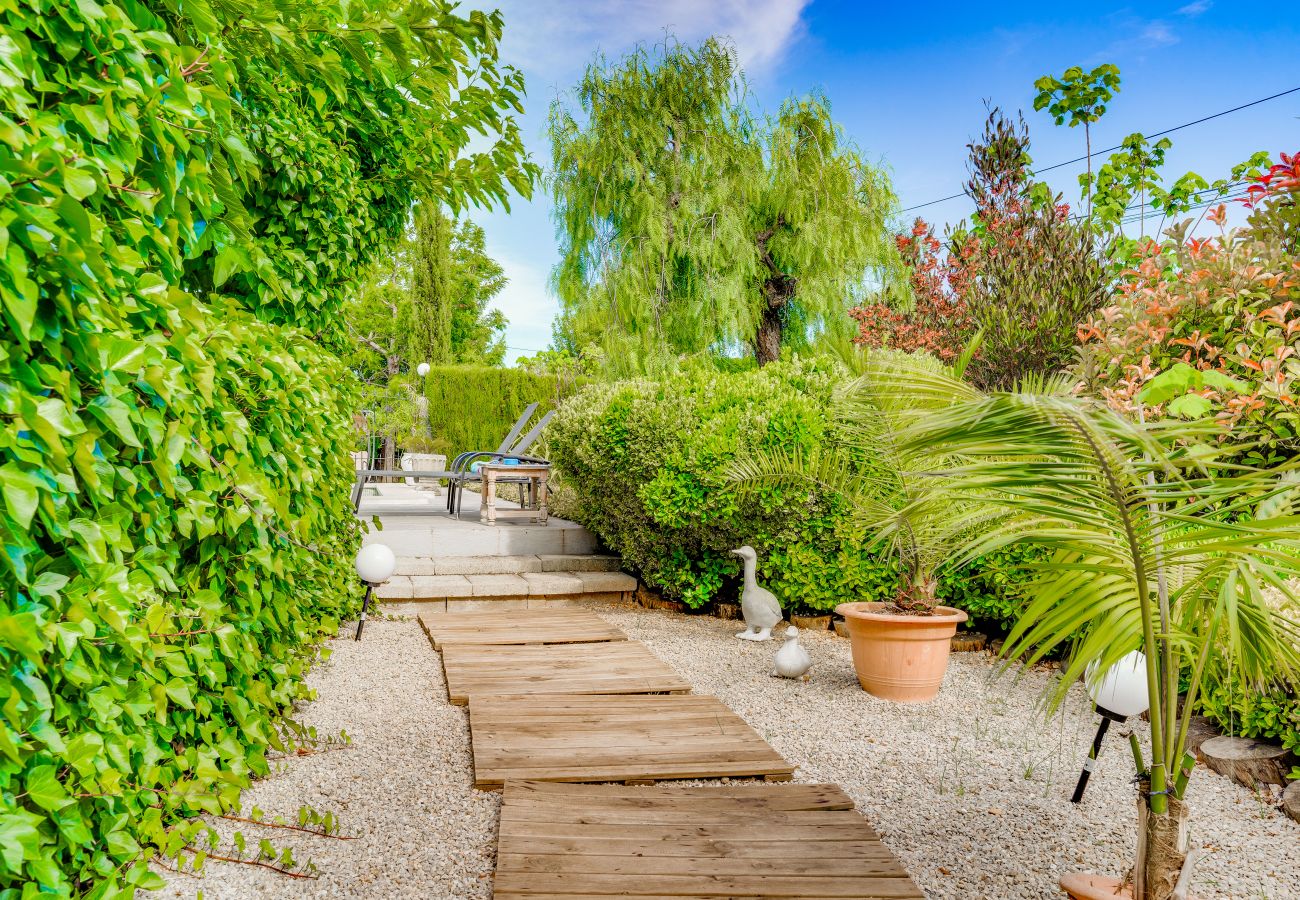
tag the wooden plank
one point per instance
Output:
(612, 667)
(587, 842)
(517, 626)
(794, 797)
(640, 737)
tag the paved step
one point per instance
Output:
(505, 565)
(436, 536)
(501, 591)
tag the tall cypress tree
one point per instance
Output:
(429, 321)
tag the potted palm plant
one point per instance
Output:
(900, 643)
(1152, 548)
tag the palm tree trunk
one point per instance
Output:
(1162, 850)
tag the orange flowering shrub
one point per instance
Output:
(1226, 306)
(939, 322)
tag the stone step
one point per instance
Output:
(502, 591)
(505, 565)
(440, 537)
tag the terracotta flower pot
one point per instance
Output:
(900, 657)
(1081, 886)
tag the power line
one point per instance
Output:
(1070, 162)
(1222, 192)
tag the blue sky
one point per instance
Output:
(909, 81)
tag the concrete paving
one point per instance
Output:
(463, 564)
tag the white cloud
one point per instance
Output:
(554, 39)
(1195, 8)
(1159, 33)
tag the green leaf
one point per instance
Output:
(1190, 406)
(93, 118)
(21, 632)
(21, 492)
(116, 415)
(44, 789)
(19, 839)
(79, 183)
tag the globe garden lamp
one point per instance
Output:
(375, 565)
(422, 369)
(1119, 692)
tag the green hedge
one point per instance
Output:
(646, 463)
(473, 407)
(187, 191)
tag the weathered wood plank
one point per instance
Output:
(613, 667)
(587, 842)
(517, 626)
(614, 738)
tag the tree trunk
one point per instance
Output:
(1162, 850)
(778, 290)
(390, 456)
(767, 342)
(1247, 761)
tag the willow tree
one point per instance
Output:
(814, 218)
(687, 223)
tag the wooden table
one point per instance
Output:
(535, 473)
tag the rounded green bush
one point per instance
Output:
(646, 461)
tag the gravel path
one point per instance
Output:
(971, 790)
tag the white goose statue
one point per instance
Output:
(759, 606)
(792, 660)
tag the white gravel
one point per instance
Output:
(971, 790)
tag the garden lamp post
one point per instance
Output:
(422, 402)
(375, 565)
(1119, 692)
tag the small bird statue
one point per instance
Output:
(792, 660)
(758, 605)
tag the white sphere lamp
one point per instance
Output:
(375, 564)
(422, 369)
(1119, 692)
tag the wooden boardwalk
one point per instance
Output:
(613, 667)
(517, 626)
(635, 738)
(582, 842)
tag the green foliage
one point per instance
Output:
(426, 326)
(648, 464)
(1252, 710)
(1028, 274)
(187, 192)
(426, 301)
(1079, 98)
(1148, 550)
(688, 225)
(1207, 327)
(477, 333)
(472, 407)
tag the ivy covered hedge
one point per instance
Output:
(187, 192)
(472, 407)
(646, 462)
